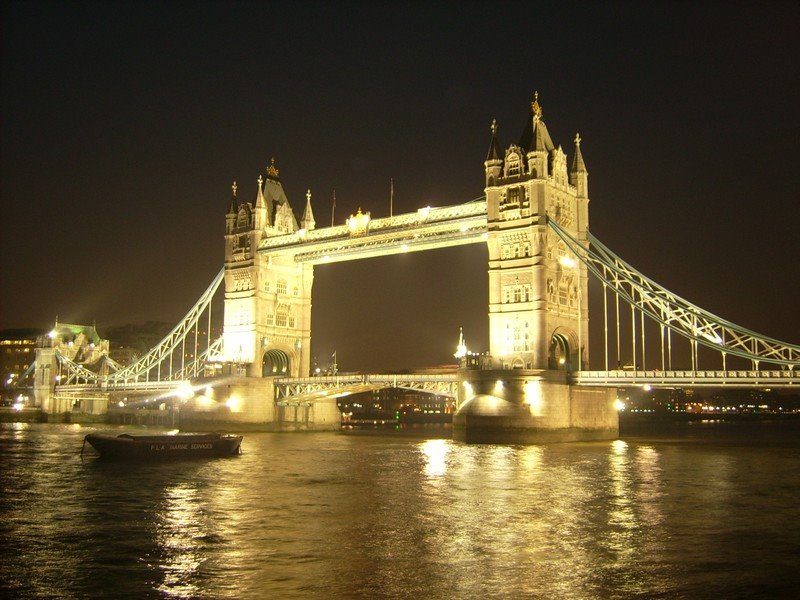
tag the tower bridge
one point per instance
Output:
(535, 382)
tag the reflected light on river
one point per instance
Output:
(177, 532)
(435, 452)
(337, 516)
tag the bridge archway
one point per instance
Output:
(276, 363)
(561, 354)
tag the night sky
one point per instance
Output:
(124, 125)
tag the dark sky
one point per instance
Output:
(123, 126)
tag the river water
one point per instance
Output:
(677, 515)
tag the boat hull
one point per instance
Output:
(170, 447)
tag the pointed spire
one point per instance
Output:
(232, 207)
(494, 152)
(538, 139)
(260, 203)
(577, 163)
(461, 349)
(308, 222)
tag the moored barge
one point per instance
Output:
(165, 446)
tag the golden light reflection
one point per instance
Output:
(622, 519)
(435, 453)
(649, 491)
(178, 532)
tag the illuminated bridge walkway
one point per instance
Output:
(643, 324)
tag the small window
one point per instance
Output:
(281, 287)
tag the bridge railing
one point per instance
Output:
(624, 378)
(442, 384)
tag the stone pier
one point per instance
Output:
(531, 407)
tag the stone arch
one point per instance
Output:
(276, 363)
(562, 354)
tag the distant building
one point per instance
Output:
(17, 353)
(397, 404)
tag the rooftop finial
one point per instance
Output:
(308, 196)
(260, 180)
(233, 189)
(536, 108)
(272, 170)
(494, 126)
(577, 139)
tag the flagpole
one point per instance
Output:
(333, 206)
(391, 198)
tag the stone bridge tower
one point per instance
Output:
(267, 327)
(538, 317)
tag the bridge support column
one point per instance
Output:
(531, 407)
(44, 378)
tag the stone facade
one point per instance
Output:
(267, 296)
(538, 315)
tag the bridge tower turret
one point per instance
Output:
(538, 315)
(267, 297)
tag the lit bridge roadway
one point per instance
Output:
(290, 391)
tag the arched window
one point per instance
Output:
(513, 165)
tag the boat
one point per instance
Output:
(164, 446)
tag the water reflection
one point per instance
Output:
(435, 453)
(333, 516)
(178, 527)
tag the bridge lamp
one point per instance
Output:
(185, 392)
(498, 387)
(619, 405)
(568, 262)
(234, 403)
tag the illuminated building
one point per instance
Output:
(267, 297)
(17, 352)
